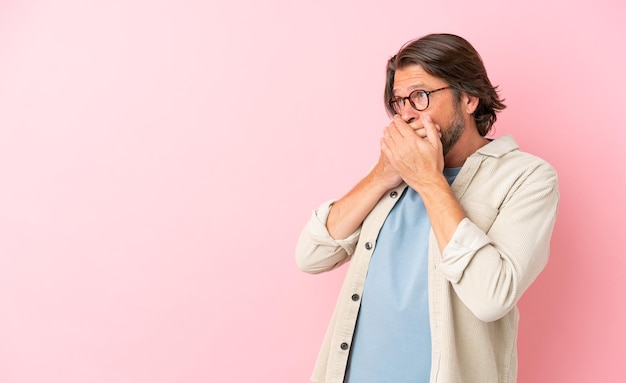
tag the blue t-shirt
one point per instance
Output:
(392, 338)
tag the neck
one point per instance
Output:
(469, 142)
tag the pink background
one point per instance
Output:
(159, 158)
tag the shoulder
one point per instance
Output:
(506, 159)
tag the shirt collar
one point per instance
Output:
(499, 147)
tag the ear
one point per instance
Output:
(469, 103)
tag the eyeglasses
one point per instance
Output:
(419, 100)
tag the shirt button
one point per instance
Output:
(393, 194)
(344, 346)
(355, 297)
(368, 245)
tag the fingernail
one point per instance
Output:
(427, 118)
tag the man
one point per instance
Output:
(443, 235)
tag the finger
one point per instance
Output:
(387, 133)
(432, 135)
(421, 132)
(391, 143)
(387, 140)
(430, 125)
(403, 128)
(427, 120)
(384, 149)
(393, 134)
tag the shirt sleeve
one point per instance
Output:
(490, 266)
(466, 241)
(316, 250)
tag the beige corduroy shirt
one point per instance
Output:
(510, 199)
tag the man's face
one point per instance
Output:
(443, 108)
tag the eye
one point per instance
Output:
(421, 94)
(419, 97)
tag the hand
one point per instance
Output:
(420, 129)
(415, 153)
(385, 173)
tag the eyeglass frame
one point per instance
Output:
(404, 99)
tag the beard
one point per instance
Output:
(451, 135)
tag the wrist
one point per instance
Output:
(377, 183)
(383, 178)
(431, 183)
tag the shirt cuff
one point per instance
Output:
(320, 234)
(465, 242)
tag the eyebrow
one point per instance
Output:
(410, 89)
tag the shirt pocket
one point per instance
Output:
(482, 215)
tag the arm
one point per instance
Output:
(316, 250)
(489, 261)
(491, 268)
(329, 238)
(444, 210)
(419, 160)
(347, 214)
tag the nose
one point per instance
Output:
(409, 114)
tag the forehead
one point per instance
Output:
(414, 77)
